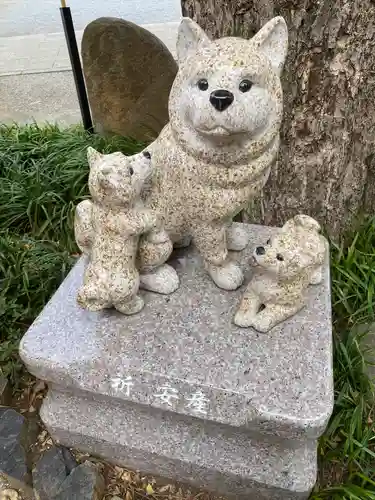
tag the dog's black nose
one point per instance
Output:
(147, 155)
(260, 250)
(221, 99)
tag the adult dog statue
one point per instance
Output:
(216, 152)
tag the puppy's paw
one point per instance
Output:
(316, 277)
(131, 307)
(150, 220)
(243, 319)
(158, 237)
(88, 299)
(262, 323)
(237, 238)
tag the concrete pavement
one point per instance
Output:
(30, 17)
(48, 52)
(36, 82)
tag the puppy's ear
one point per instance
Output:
(307, 222)
(304, 221)
(190, 37)
(290, 225)
(272, 41)
(93, 156)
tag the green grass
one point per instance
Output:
(347, 449)
(43, 175)
(353, 276)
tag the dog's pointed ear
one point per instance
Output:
(93, 156)
(190, 37)
(272, 41)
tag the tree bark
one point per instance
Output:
(326, 165)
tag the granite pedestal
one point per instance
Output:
(180, 392)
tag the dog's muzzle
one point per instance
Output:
(221, 99)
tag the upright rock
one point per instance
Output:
(49, 473)
(12, 453)
(129, 73)
(84, 483)
(57, 476)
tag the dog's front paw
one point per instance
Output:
(229, 276)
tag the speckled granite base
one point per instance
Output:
(192, 369)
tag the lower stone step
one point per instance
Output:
(206, 454)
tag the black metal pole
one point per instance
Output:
(75, 60)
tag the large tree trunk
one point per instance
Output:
(326, 165)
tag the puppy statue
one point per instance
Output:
(285, 266)
(107, 230)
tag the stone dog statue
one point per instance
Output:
(107, 230)
(216, 153)
(285, 266)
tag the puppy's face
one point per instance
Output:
(283, 256)
(116, 179)
(228, 90)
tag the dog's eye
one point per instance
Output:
(268, 242)
(147, 155)
(131, 170)
(279, 257)
(245, 85)
(202, 84)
